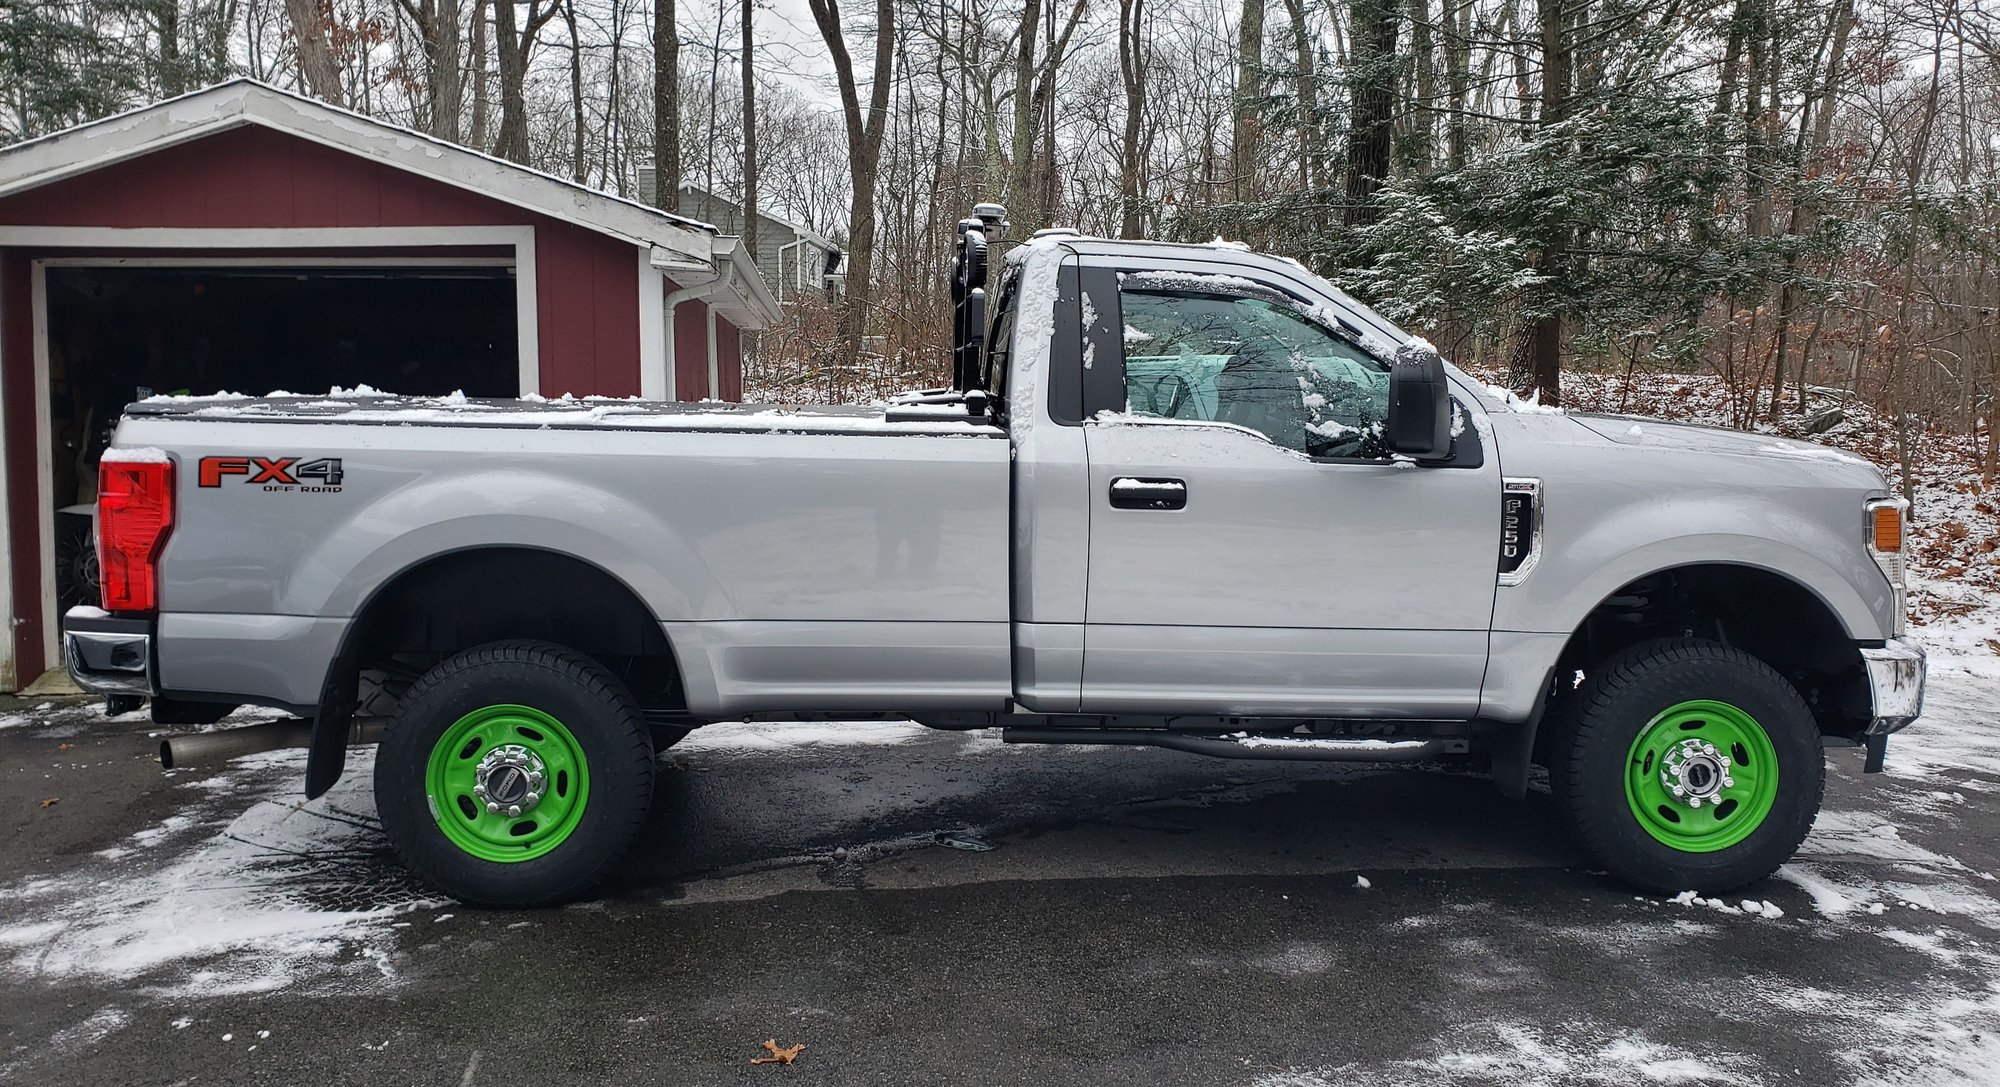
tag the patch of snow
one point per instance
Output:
(233, 913)
(1531, 405)
(800, 735)
(144, 454)
(1828, 897)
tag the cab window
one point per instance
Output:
(1256, 363)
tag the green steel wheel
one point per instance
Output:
(1683, 764)
(514, 775)
(507, 783)
(1701, 776)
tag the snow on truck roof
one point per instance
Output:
(369, 406)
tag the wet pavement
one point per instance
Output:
(1141, 917)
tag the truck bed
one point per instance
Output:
(938, 416)
(782, 549)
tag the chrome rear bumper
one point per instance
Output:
(1895, 683)
(109, 654)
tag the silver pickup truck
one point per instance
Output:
(1183, 496)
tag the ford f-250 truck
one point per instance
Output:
(1184, 496)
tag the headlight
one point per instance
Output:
(1884, 533)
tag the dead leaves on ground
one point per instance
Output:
(779, 1054)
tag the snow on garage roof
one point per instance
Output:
(240, 102)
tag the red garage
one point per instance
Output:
(244, 238)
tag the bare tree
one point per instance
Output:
(749, 130)
(864, 151)
(666, 107)
(515, 36)
(1132, 74)
(312, 24)
(437, 25)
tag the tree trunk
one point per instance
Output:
(447, 85)
(1418, 131)
(864, 153)
(512, 41)
(1305, 57)
(1243, 133)
(1022, 146)
(1458, 59)
(749, 132)
(1132, 73)
(311, 20)
(481, 100)
(1545, 355)
(666, 108)
(578, 167)
(1372, 83)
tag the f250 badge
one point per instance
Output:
(275, 473)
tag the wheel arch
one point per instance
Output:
(454, 600)
(1772, 615)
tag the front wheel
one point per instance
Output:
(1687, 765)
(514, 775)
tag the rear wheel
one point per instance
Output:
(514, 775)
(1688, 765)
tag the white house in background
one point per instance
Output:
(796, 261)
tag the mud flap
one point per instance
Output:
(1878, 746)
(1514, 750)
(326, 758)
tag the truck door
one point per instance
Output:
(1254, 549)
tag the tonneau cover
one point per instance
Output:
(367, 406)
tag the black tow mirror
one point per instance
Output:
(1419, 423)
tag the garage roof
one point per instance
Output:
(685, 248)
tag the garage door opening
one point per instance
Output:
(119, 333)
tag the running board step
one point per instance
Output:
(1245, 745)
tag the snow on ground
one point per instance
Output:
(799, 736)
(224, 898)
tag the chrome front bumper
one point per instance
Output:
(1895, 683)
(109, 654)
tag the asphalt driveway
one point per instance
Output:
(937, 908)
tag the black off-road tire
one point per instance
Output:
(1618, 699)
(598, 712)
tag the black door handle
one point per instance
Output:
(1148, 493)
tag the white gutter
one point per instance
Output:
(724, 277)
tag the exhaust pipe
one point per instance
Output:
(207, 748)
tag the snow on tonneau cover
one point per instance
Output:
(906, 415)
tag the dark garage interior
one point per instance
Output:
(119, 333)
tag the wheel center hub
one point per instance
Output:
(1695, 771)
(509, 779)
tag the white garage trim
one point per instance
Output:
(9, 677)
(520, 239)
(245, 102)
(656, 381)
(527, 309)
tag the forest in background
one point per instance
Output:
(1799, 199)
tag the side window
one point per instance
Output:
(1256, 363)
(1000, 340)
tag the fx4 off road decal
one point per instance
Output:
(274, 473)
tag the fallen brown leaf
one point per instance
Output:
(779, 1054)
(51, 802)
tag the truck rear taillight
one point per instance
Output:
(135, 512)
